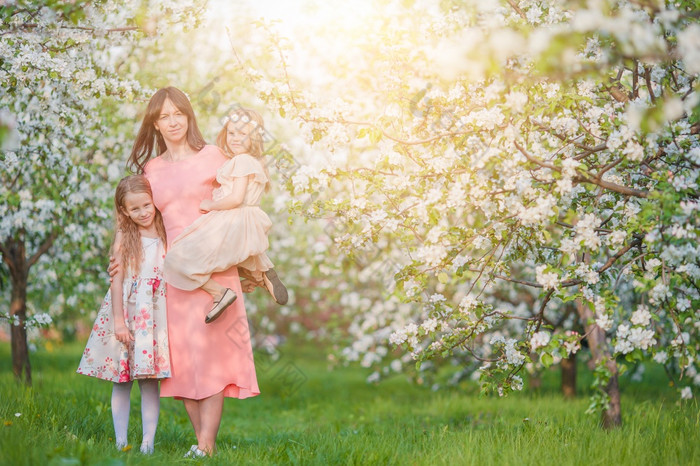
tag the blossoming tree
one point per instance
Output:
(487, 151)
(61, 95)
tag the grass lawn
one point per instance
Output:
(309, 415)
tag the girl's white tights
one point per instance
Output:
(150, 409)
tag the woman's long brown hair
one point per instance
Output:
(257, 149)
(148, 137)
(131, 249)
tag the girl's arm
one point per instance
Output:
(233, 200)
(120, 331)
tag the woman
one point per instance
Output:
(209, 362)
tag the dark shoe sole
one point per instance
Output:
(221, 305)
(274, 285)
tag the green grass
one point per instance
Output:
(334, 417)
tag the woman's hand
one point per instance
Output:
(206, 205)
(113, 268)
(248, 286)
(122, 333)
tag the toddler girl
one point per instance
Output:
(234, 231)
(129, 339)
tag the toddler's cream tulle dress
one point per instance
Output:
(222, 239)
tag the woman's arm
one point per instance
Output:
(233, 200)
(120, 331)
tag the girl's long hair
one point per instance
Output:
(244, 116)
(131, 250)
(148, 137)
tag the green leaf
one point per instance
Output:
(375, 135)
(546, 359)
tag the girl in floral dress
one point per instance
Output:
(129, 339)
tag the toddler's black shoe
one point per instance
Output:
(274, 285)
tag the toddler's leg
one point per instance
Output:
(223, 298)
(255, 276)
(250, 280)
(214, 289)
(150, 409)
(120, 412)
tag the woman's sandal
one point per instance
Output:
(220, 306)
(274, 285)
(195, 452)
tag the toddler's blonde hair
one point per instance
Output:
(245, 116)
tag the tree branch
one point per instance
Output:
(48, 242)
(647, 79)
(80, 28)
(562, 138)
(608, 167)
(535, 160)
(517, 9)
(540, 314)
(591, 150)
(619, 254)
(508, 279)
(612, 186)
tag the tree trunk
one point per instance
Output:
(568, 377)
(20, 349)
(13, 254)
(612, 416)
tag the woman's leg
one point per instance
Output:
(192, 408)
(150, 410)
(121, 404)
(205, 416)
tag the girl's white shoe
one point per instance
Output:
(194, 452)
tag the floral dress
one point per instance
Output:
(148, 356)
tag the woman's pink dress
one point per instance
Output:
(205, 358)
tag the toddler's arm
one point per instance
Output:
(233, 200)
(120, 331)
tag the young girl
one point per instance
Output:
(234, 231)
(129, 339)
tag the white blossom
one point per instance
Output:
(661, 357)
(689, 46)
(686, 393)
(548, 280)
(641, 316)
(539, 340)
(604, 321)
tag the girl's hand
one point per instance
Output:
(206, 205)
(122, 333)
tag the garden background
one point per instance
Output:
(471, 199)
